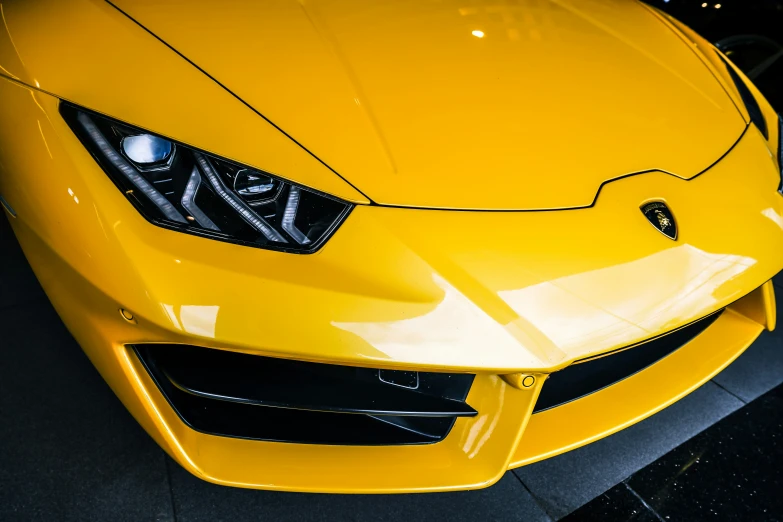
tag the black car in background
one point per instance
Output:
(750, 32)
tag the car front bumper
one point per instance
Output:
(487, 293)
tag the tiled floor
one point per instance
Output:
(564, 483)
(730, 471)
(70, 451)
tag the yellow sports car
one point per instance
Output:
(352, 246)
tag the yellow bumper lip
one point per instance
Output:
(477, 451)
(612, 409)
(488, 293)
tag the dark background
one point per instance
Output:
(750, 32)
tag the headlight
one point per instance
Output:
(752, 106)
(188, 190)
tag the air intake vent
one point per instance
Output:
(248, 396)
(591, 375)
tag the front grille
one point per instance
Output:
(591, 375)
(247, 396)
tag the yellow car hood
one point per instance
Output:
(480, 105)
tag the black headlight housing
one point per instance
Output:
(188, 190)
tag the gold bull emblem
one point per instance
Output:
(663, 221)
(659, 216)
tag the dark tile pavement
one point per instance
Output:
(70, 451)
(564, 483)
(619, 504)
(730, 471)
(18, 285)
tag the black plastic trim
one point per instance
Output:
(591, 375)
(267, 381)
(261, 398)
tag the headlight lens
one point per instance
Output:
(188, 190)
(754, 111)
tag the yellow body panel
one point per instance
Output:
(393, 97)
(595, 416)
(133, 77)
(491, 293)
(408, 104)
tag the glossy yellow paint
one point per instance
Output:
(400, 99)
(711, 57)
(417, 111)
(55, 46)
(759, 306)
(596, 416)
(491, 293)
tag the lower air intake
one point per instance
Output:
(247, 396)
(591, 375)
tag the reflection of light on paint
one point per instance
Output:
(474, 433)
(570, 321)
(471, 446)
(158, 414)
(594, 308)
(478, 34)
(199, 320)
(194, 319)
(7, 206)
(774, 216)
(40, 129)
(455, 326)
(100, 221)
(169, 309)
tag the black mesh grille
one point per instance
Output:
(589, 376)
(248, 396)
